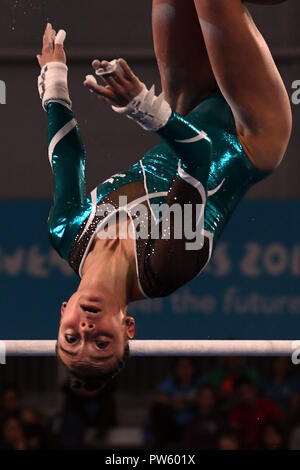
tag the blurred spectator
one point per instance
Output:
(283, 387)
(229, 440)
(12, 435)
(294, 438)
(83, 412)
(174, 404)
(252, 413)
(202, 432)
(224, 377)
(186, 412)
(272, 437)
(36, 430)
(9, 402)
(22, 428)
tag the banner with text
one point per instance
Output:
(250, 289)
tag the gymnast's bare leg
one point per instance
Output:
(227, 49)
(186, 74)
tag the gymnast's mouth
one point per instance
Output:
(90, 309)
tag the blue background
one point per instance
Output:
(250, 290)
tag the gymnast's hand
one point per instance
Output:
(51, 52)
(121, 86)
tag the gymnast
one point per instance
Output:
(224, 120)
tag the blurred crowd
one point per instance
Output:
(23, 428)
(231, 407)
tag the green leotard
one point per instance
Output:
(207, 167)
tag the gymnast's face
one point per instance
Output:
(93, 330)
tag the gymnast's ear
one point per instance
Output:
(130, 327)
(63, 307)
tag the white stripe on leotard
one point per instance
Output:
(189, 179)
(93, 211)
(214, 191)
(198, 137)
(132, 226)
(59, 136)
(193, 182)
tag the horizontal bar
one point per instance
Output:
(171, 348)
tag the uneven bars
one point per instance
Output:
(170, 347)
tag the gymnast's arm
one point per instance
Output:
(65, 147)
(129, 96)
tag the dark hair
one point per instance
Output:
(206, 386)
(91, 379)
(192, 360)
(241, 381)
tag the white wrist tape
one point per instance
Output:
(149, 111)
(53, 84)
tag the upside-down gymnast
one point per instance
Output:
(216, 71)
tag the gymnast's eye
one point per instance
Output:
(71, 339)
(102, 344)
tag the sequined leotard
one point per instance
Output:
(199, 161)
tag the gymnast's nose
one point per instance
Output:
(87, 326)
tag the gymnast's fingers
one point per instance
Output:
(104, 64)
(47, 38)
(117, 74)
(128, 73)
(129, 79)
(112, 80)
(104, 98)
(124, 92)
(101, 91)
(96, 64)
(52, 39)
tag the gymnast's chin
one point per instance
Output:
(93, 339)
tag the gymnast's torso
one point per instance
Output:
(231, 174)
